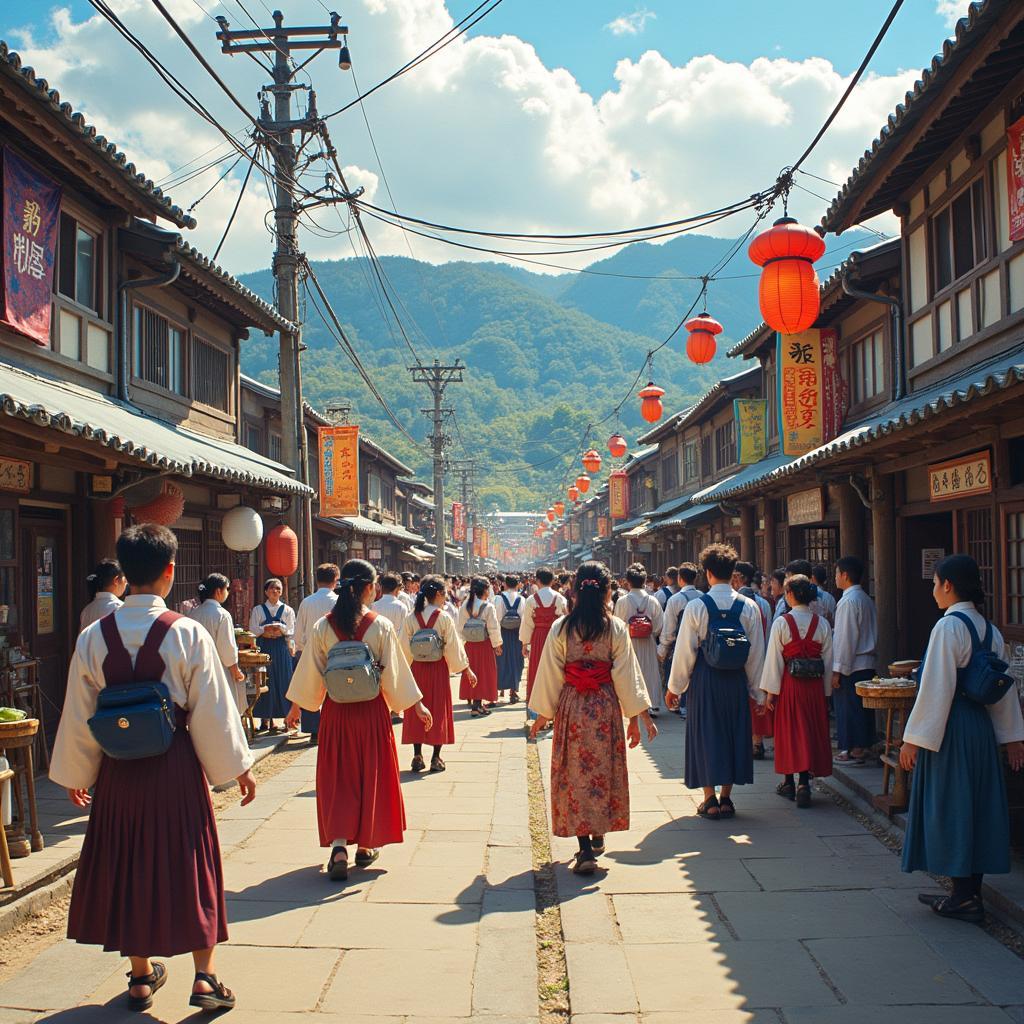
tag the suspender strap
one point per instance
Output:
(364, 624)
(430, 622)
(149, 666)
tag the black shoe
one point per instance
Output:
(337, 866)
(364, 858)
(803, 796)
(514, 698)
(970, 910)
(726, 809)
(418, 764)
(786, 789)
(155, 982)
(437, 765)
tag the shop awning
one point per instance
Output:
(73, 410)
(415, 555)
(371, 528)
(688, 515)
(636, 531)
(628, 524)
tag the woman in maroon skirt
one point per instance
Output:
(480, 632)
(358, 795)
(433, 677)
(149, 879)
(797, 679)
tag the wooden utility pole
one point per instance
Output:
(465, 468)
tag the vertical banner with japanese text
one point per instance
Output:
(812, 394)
(1015, 178)
(458, 521)
(751, 415)
(31, 214)
(618, 494)
(339, 471)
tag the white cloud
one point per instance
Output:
(630, 24)
(951, 10)
(484, 134)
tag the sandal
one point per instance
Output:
(221, 998)
(437, 765)
(787, 790)
(155, 981)
(803, 796)
(970, 910)
(418, 764)
(759, 752)
(582, 864)
(514, 698)
(706, 808)
(476, 712)
(597, 844)
(337, 866)
(364, 858)
(726, 808)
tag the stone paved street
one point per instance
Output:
(778, 917)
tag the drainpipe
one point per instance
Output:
(899, 374)
(123, 288)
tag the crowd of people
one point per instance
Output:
(745, 657)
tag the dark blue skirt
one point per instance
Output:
(958, 823)
(719, 749)
(273, 704)
(511, 662)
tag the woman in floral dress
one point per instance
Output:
(587, 681)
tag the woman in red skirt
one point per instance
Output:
(434, 676)
(358, 795)
(798, 678)
(480, 632)
(539, 614)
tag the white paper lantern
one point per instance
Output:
(242, 529)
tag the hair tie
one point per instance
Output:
(201, 588)
(589, 583)
(347, 582)
(92, 576)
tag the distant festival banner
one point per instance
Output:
(458, 521)
(751, 416)
(1015, 178)
(339, 471)
(618, 494)
(31, 214)
(812, 395)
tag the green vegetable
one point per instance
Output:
(12, 715)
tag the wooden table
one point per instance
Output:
(896, 702)
(254, 664)
(19, 738)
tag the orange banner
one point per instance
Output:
(339, 471)
(618, 494)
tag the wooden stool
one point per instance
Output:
(896, 702)
(6, 871)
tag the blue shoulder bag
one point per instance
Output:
(984, 679)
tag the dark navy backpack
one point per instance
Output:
(984, 679)
(726, 645)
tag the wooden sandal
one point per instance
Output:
(221, 998)
(154, 980)
(583, 865)
(709, 805)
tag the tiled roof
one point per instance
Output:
(39, 88)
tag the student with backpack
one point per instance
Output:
(717, 664)
(432, 646)
(352, 672)
(588, 682)
(539, 614)
(643, 617)
(686, 575)
(509, 605)
(478, 626)
(966, 708)
(149, 879)
(762, 720)
(669, 586)
(797, 680)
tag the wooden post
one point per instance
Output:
(770, 526)
(883, 527)
(852, 539)
(748, 525)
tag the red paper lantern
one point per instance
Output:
(592, 461)
(701, 344)
(164, 510)
(617, 446)
(282, 551)
(583, 483)
(559, 508)
(650, 402)
(789, 290)
(573, 493)
(551, 515)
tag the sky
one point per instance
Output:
(550, 115)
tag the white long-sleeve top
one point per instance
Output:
(392, 608)
(194, 676)
(639, 602)
(311, 611)
(454, 651)
(949, 648)
(662, 598)
(693, 627)
(545, 595)
(780, 635)
(102, 604)
(827, 604)
(482, 610)
(856, 632)
(627, 679)
(287, 622)
(219, 624)
(397, 684)
(673, 610)
(409, 600)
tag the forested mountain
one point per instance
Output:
(545, 354)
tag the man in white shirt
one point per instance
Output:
(686, 577)
(407, 595)
(825, 599)
(853, 660)
(669, 586)
(389, 604)
(311, 611)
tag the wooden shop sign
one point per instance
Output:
(959, 478)
(806, 507)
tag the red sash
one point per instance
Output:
(588, 676)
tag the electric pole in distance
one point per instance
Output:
(465, 469)
(280, 126)
(437, 378)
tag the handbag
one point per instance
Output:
(352, 674)
(804, 668)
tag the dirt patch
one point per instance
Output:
(552, 972)
(20, 946)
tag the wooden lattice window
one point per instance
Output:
(209, 374)
(978, 543)
(188, 568)
(821, 547)
(1015, 568)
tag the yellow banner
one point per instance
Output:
(339, 471)
(751, 429)
(801, 380)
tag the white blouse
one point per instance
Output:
(454, 651)
(217, 620)
(194, 676)
(101, 605)
(627, 679)
(949, 648)
(483, 610)
(780, 635)
(639, 602)
(287, 622)
(545, 596)
(396, 682)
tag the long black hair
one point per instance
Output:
(430, 587)
(963, 574)
(356, 576)
(211, 584)
(589, 617)
(102, 576)
(477, 588)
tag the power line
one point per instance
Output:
(231, 219)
